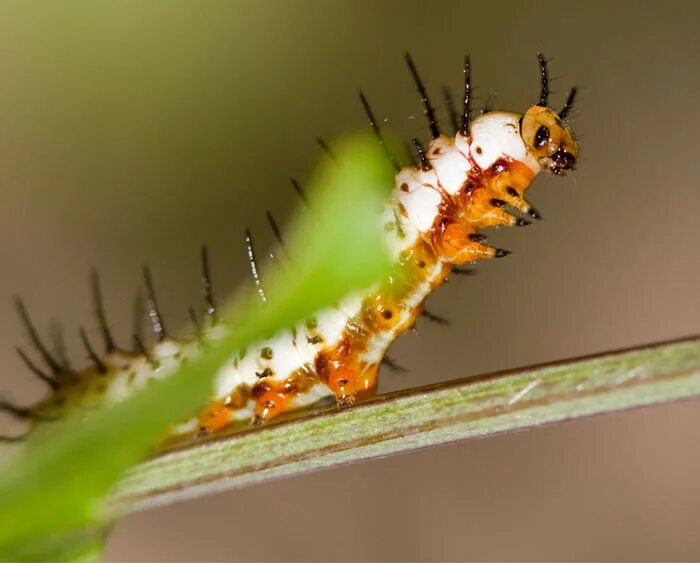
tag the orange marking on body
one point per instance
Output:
(217, 414)
(213, 417)
(272, 398)
(343, 382)
(270, 404)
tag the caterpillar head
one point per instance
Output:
(548, 139)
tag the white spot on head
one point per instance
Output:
(497, 134)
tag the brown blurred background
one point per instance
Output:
(133, 132)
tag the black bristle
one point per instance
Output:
(392, 365)
(425, 165)
(195, 323)
(544, 80)
(465, 129)
(428, 108)
(252, 262)
(325, 148)
(532, 212)
(141, 349)
(568, 106)
(275, 229)
(14, 410)
(501, 252)
(139, 313)
(512, 192)
(46, 378)
(463, 271)
(98, 304)
(300, 192)
(94, 358)
(434, 318)
(54, 366)
(59, 346)
(153, 309)
(377, 132)
(207, 285)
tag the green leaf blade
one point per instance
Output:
(58, 485)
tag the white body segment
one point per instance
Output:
(497, 134)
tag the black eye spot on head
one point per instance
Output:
(541, 136)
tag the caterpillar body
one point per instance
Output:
(461, 183)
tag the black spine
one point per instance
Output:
(252, 262)
(325, 148)
(378, 133)
(465, 129)
(207, 285)
(99, 364)
(275, 229)
(425, 165)
(46, 378)
(434, 318)
(429, 110)
(54, 366)
(544, 80)
(569, 105)
(100, 313)
(153, 309)
(299, 191)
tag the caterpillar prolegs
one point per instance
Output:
(461, 183)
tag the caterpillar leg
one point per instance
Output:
(270, 402)
(350, 383)
(274, 397)
(460, 244)
(220, 413)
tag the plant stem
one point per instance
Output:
(417, 418)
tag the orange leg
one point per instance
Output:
(271, 403)
(349, 383)
(213, 417)
(217, 414)
(458, 243)
(273, 397)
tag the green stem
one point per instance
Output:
(417, 418)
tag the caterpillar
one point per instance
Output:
(474, 178)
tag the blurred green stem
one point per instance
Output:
(418, 418)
